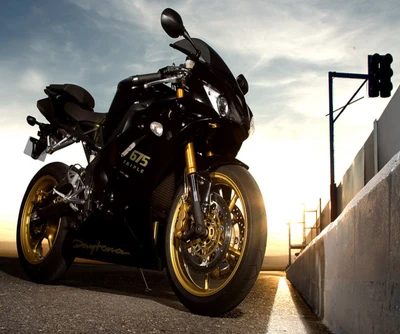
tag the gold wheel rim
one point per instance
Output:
(37, 247)
(204, 285)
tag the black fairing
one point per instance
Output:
(136, 173)
(131, 98)
(208, 55)
(212, 70)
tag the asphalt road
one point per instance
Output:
(93, 298)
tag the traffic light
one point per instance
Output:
(379, 75)
(373, 75)
(385, 74)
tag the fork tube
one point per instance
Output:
(199, 228)
(190, 159)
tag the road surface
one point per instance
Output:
(95, 298)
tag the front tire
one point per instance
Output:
(222, 289)
(44, 247)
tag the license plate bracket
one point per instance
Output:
(36, 149)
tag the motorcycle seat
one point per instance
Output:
(80, 94)
(82, 104)
(82, 115)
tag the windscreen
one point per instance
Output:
(208, 55)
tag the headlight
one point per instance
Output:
(215, 99)
(221, 105)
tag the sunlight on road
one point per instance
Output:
(284, 316)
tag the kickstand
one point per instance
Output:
(147, 289)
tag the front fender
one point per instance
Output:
(212, 163)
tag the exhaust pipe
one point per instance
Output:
(54, 211)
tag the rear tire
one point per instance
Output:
(222, 289)
(44, 248)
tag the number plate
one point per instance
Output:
(32, 149)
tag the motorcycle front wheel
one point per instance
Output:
(44, 247)
(225, 285)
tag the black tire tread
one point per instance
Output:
(240, 285)
(61, 255)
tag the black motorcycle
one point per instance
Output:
(162, 188)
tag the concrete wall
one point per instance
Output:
(325, 219)
(378, 149)
(370, 169)
(387, 145)
(388, 130)
(350, 274)
(352, 182)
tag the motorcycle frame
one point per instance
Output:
(136, 173)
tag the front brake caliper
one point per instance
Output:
(183, 218)
(203, 255)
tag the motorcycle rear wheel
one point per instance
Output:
(44, 248)
(222, 289)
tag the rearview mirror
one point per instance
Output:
(172, 23)
(243, 85)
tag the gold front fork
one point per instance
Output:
(183, 217)
(199, 229)
(190, 157)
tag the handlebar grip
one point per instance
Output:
(142, 79)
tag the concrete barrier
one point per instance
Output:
(350, 274)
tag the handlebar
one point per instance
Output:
(142, 79)
(168, 74)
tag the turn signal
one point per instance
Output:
(157, 128)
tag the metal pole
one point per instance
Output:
(375, 137)
(331, 151)
(320, 215)
(333, 189)
(290, 245)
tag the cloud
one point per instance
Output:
(32, 81)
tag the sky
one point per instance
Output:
(285, 49)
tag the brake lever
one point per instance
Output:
(174, 79)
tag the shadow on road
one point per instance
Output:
(102, 296)
(108, 278)
(123, 281)
(127, 281)
(311, 321)
(116, 295)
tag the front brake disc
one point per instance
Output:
(203, 255)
